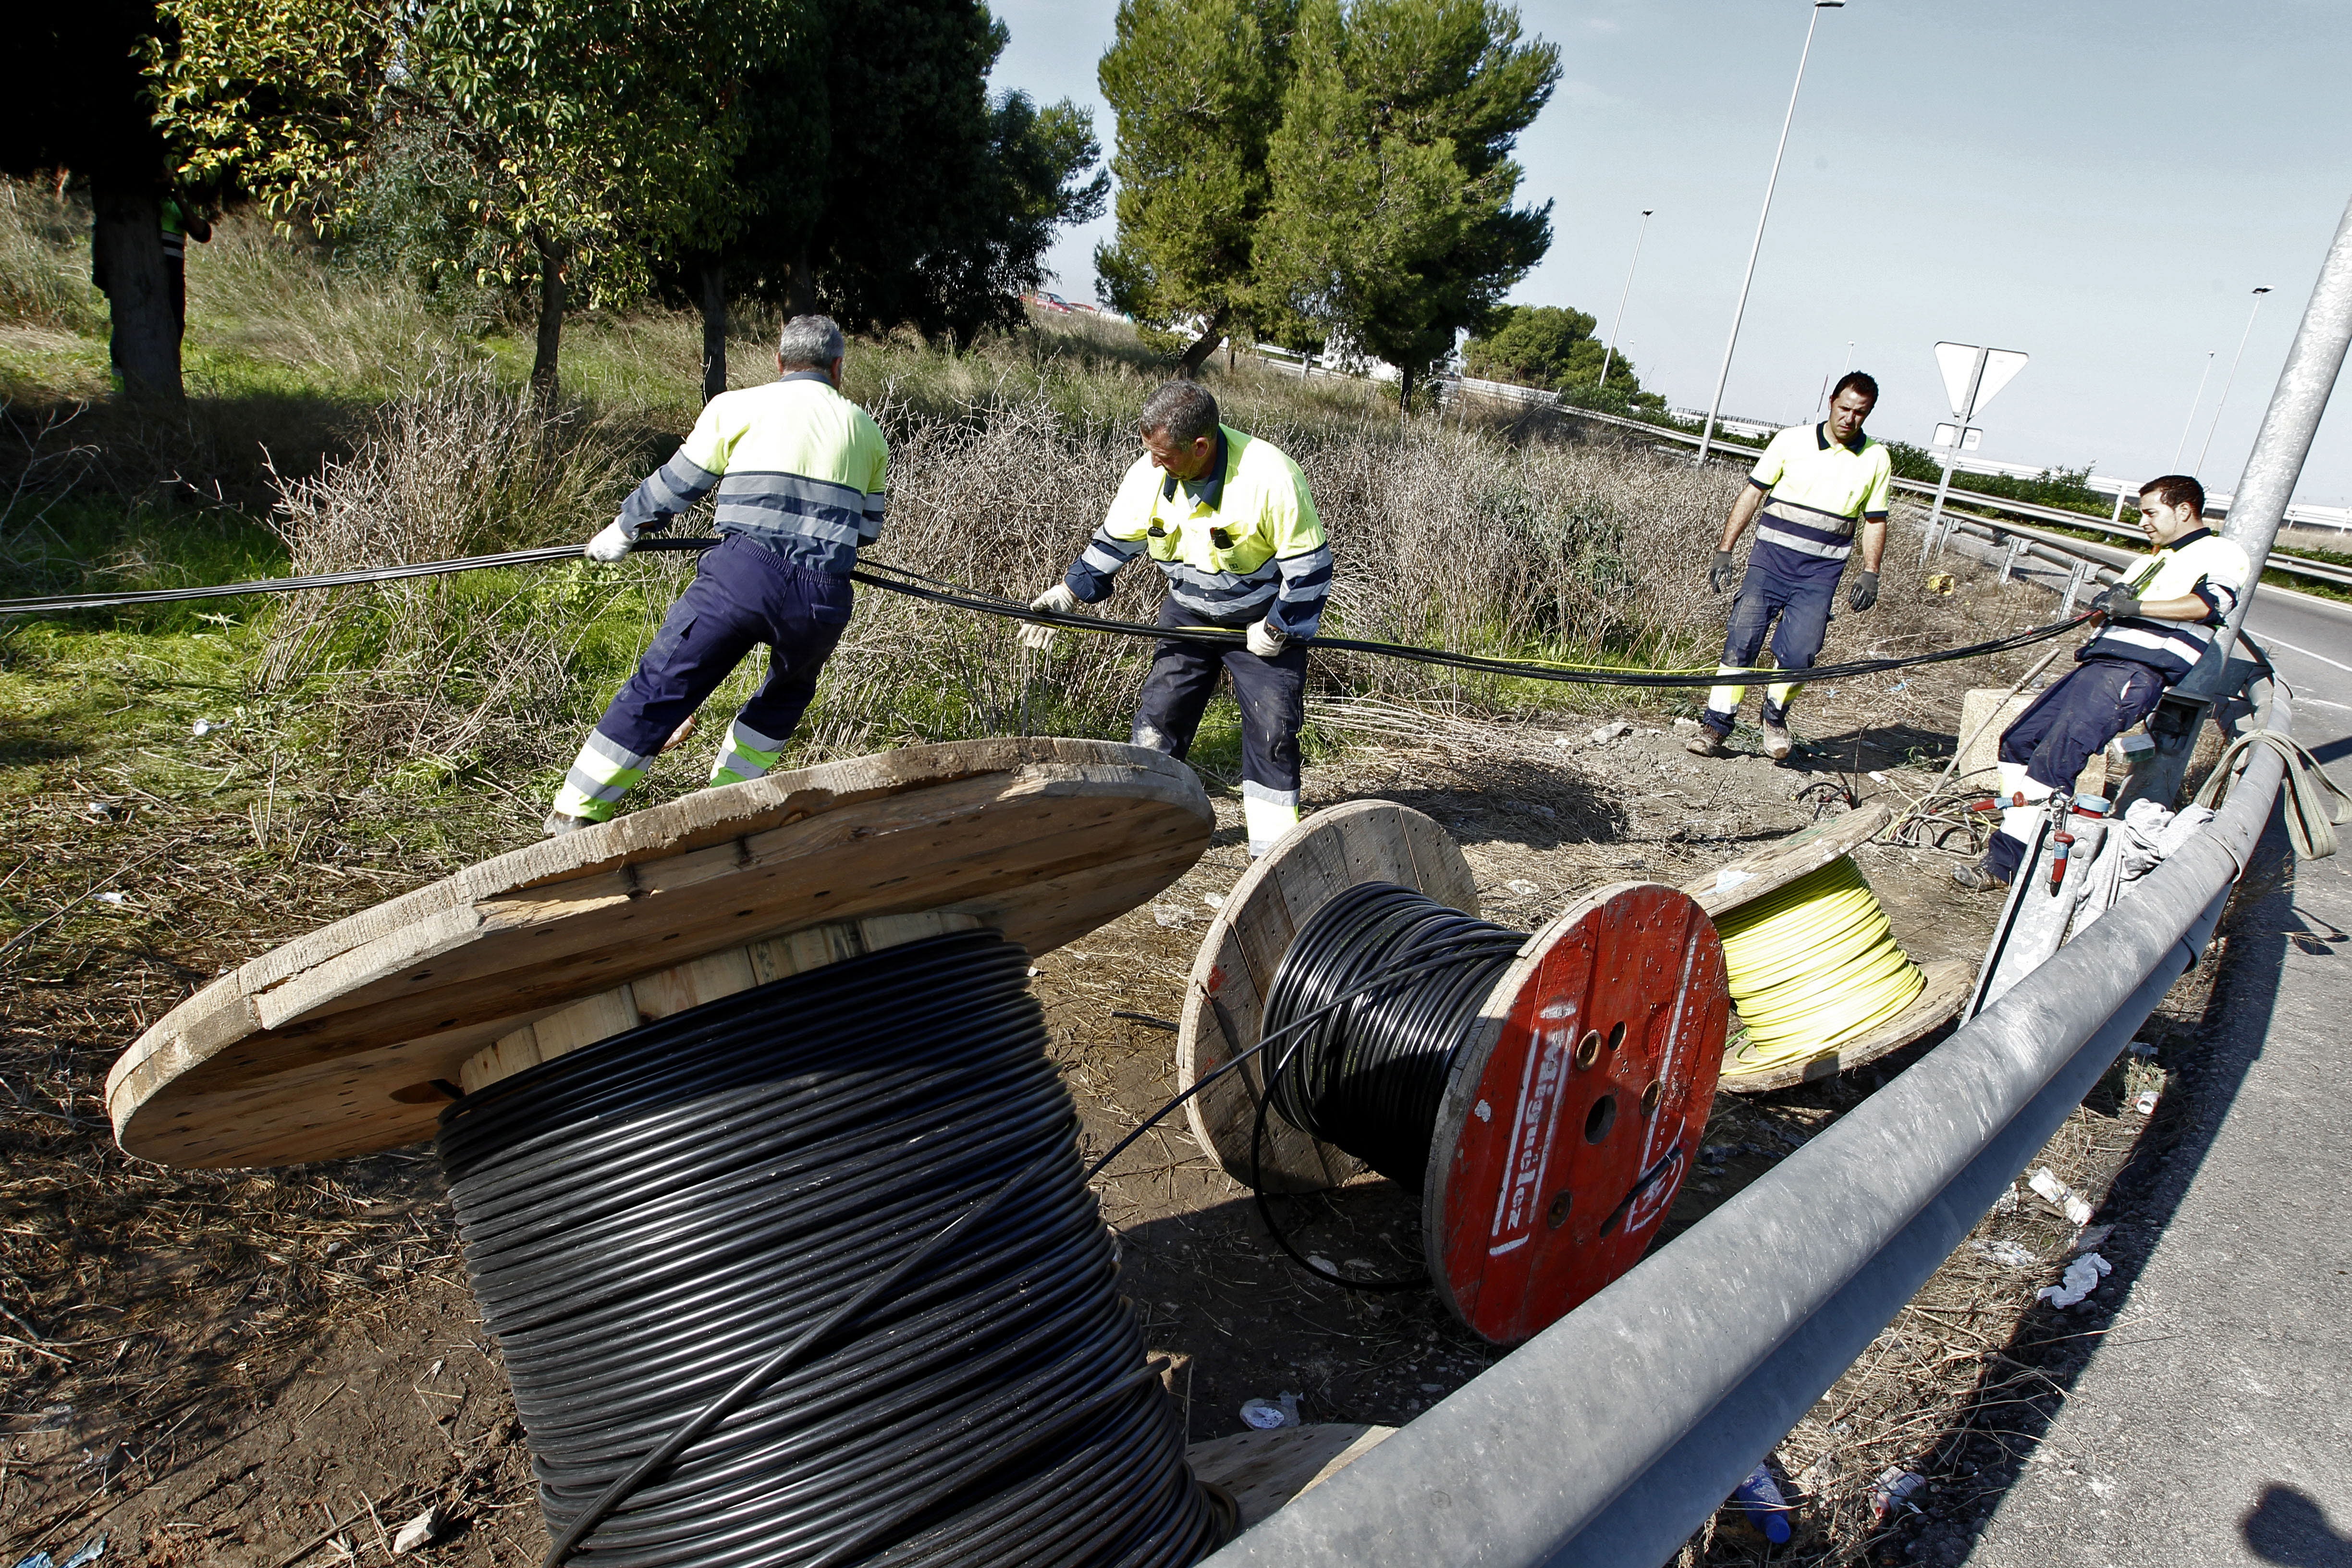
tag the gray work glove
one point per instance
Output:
(2117, 602)
(611, 544)
(1719, 575)
(1057, 600)
(1265, 641)
(1865, 591)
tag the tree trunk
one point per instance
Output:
(1405, 388)
(551, 319)
(1188, 367)
(800, 287)
(710, 278)
(126, 257)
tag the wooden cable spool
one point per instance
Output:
(1572, 1109)
(1765, 870)
(351, 1039)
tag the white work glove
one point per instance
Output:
(610, 545)
(1265, 642)
(1057, 600)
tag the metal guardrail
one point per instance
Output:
(2336, 576)
(1612, 1435)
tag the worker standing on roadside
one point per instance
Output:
(2159, 619)
(1814, 485)
(1228, 519)
(799, 472)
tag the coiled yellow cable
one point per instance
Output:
(1813, 965)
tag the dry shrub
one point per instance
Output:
(429, 667)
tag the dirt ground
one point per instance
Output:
(283, 1367)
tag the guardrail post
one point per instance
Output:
(2009, 561)
(2073, 588)
(2260, 504)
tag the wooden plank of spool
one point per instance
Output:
(1263, 1470)
(1948, 982)
(1575, 1109)
(333, 1044)
(691, 984)
(1753, 875)
(1224, 1002)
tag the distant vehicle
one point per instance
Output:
(1045, 301)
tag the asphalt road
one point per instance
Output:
(2213, 1426)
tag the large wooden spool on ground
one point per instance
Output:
(1574, 1108)
(1774, 866)
(351, 1039)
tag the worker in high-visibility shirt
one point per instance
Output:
(799, 472)
(1807, 495)
(2159, 620)
(1228, 519)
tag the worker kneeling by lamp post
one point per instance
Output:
(1814, 485)
(799, 472)
(2158, 620)
(1228, 521)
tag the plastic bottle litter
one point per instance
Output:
(1758, 1497)
(1266, 1415)
(1171, 916)
(1525, 889)
(1894, 1490)
(2082, 1278)
(2145, 1102)
(202, 728)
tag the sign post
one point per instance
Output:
(1971, 377)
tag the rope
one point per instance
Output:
(916, 585)
(2314, 805)
(1810, 966)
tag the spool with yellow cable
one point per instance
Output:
(1820, 983)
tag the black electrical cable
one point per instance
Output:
(776, 1175)
(940, 591)
(1368, 1074)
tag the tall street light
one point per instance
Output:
(2191, 423)
(2232, 377)
(1706, 436)
(1609, 352)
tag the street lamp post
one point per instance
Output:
(2191, 423)
(1706, 436)
(1606, 353)
(2229, 380)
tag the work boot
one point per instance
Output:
(1976, 879)
(1707, 743)
(558, 823)
(1777, 744)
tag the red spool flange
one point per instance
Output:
(1576, 1108)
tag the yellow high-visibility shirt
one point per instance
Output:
(797, 466)
(1819, 489)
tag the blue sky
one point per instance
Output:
(2096, 183)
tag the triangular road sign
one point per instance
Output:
(1959, 363)
(2000, 366)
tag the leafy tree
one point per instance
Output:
(1391, 217)
(1531, 344)
(593, 130)
(880, 181)
(77, 100)
(1198, 86)
(1548, 346)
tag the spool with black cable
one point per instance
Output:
(766, 1183)
(1544, 1093)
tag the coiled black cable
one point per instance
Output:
(1369, 1074)
(648, 1215)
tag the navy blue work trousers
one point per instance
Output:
(744, 595)
(1789, 597)
(1272, 693)
(2079, 713)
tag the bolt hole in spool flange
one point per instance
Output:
(1537, 1190)
(605, 1026)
